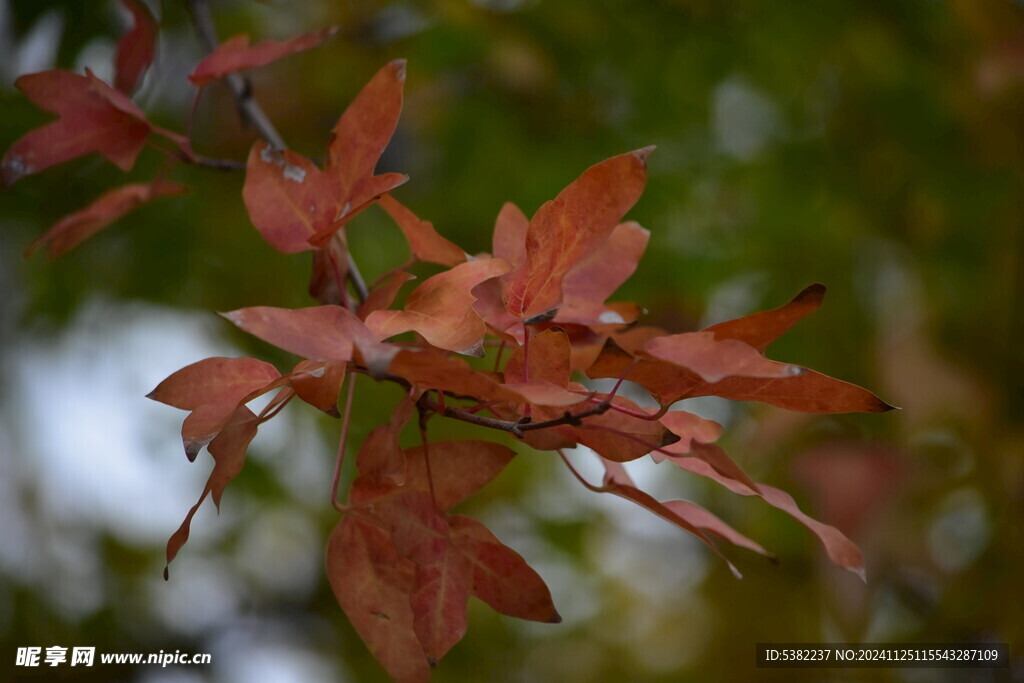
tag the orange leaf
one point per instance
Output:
(566, 229)
(75, 228)
(441, 309)
(212, 389)
(715, 359)
(373, 584)
(706, 521)
(424, 241)
(598, 275)
(91, 120)
(316, 333)
(235, 54)
(136, 48)
(548, 359)
(761, 329)
(364, 130)
(501, 577)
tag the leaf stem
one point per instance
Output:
(341, 445)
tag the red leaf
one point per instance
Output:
(235, 54)
(316, 333)
(841, 550)
(373, 584)
(458, 468)
(441, 309)
(713, 359)
(597, 276)
(76, 227)
(91, 120)
(364, 130)
(424, 241)
(566, 229)
(212, 389)
(288, 198)
(761, 329)
(501, 577)
(318, 383)
(136, 48)
(429, 369)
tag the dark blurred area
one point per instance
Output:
(876, 147)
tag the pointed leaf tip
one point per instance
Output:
(398, 66)
(556, 618)
(643, 153)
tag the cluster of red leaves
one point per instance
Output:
(403, 566)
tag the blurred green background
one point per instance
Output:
(874, 146)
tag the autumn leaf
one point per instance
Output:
(566, 229)
(509, 241)
(841, 550)
(373, 585)
(318, 383)
(714, 359)
(315, 333)
(136, 48)
(90, 121)
(458, 470)
(383, 295)
(597, 276)
(381, 459)
(75, 228)
(426, 244)
(762, 328)
(365, 129)
(441, 309)
(295, 205)
(288, 198)
(212, 389)
(500, 576)
(235, 54)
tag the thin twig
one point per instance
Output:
(357, 279)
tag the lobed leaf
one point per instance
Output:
(762, 328)
(566, 229)
(365, 128)
(212, 389)
(373, 585)
(500, 576)
(93, 117)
